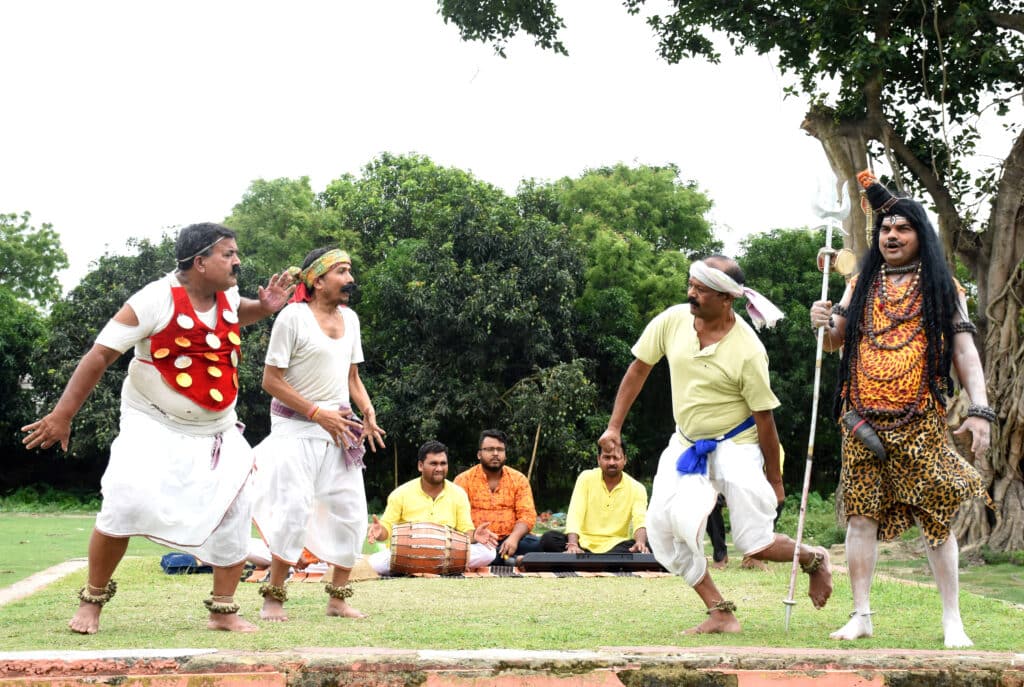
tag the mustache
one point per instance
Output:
(692, 301)
(354, 294)
(236, 270)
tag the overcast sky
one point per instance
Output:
(126, 119)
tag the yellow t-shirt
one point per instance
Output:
(713, 389)
(603, 518)
(409, 503)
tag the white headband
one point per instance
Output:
(761, 310)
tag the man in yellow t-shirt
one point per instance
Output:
(431, 498)
(606, 512)
(725, 440)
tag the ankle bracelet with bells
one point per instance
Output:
(724, 606)
(342, 592)
(221, 604)
(273, 591)
(105, 594)
(814, 565)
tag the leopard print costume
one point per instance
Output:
(922, 480)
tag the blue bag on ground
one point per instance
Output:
(182, 564)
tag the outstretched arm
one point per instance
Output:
(629, 388)
(55, 427)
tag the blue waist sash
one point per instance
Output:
(694, 460)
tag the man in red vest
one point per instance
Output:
(179, 466)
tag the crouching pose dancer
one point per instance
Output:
(179, 464)
(308, 485)
(725, 439)
(901, 325)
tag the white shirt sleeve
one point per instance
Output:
(352, 320)
(282, 338)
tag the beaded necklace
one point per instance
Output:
(898, 309)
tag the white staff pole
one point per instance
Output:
(830, 216)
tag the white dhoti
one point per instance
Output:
(680, 504)
(178, 489)
(305, 495)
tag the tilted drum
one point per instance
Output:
(426, 547)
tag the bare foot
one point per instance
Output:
(955, 637)
(717, 622)
(821, 580)
(230, 622)
(858, 626)
(753, 564)
(337, 608)
(273, 611)
(721, 565)
(86, 620)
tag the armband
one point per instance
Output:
(965, 326)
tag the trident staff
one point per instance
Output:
(830, 217)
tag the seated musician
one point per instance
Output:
(431, 498)
(502, 496)
(606, 512)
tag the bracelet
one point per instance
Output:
(313, 411)
(984, 412)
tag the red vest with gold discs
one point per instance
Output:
(196, 361)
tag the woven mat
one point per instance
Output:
(362, 571)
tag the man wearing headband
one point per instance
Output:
(179, 465)
(725, 439)
(308, 485)
(902, 324)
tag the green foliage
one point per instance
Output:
(22, 330)
(30, 259)
(496, 21)
(43, 498)
(278, 222)
(560, 402)
(782, 265)
(997, 557)
(820, 526)
(464, 296)
(644, 201)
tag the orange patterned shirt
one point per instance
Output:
(512, 502)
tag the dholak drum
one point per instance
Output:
(426, 547)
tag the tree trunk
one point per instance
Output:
(1000, 276)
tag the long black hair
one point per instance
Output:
(940, 301)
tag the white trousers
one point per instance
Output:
(680, 504)
(170, 487)
(305, 496)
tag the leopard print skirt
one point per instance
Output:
(923, 480)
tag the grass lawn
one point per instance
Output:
(154, 610)
(32, 542)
